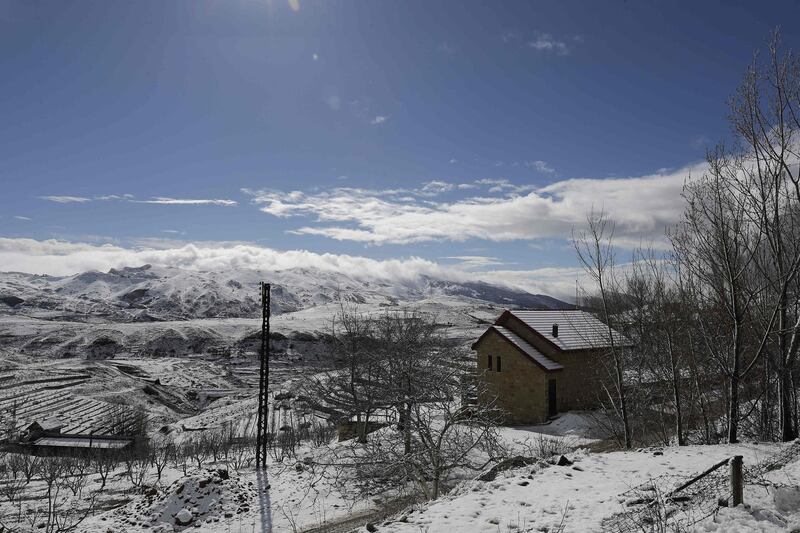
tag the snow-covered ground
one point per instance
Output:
(284, 499)
(544, 497)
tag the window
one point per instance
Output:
(498, 363)
(489, 366)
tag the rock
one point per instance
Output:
(563, 461)
(371, 527)
(184, 517)
(505, 464)
(658, 452)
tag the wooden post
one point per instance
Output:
(737, 491)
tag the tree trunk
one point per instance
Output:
(676, 393)
(788, 431)
(407, 429)
(733, 407)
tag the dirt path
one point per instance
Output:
(346, 524)
(352, 522)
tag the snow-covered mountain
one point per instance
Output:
(150, 293)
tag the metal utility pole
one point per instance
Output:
(263, 382)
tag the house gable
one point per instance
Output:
(524, 348)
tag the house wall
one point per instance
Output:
(581, 382)
(520, 387)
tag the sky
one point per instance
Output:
(464, 135)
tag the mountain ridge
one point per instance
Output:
(158, 293)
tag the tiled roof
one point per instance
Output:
(83, 442)
(577, 330)
(533, 353)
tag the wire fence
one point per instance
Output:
(673, 503)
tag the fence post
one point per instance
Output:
(737, 491)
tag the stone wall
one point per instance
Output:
(580, 384)
(521, 385)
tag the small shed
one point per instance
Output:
(46, 427)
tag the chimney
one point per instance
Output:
(555, 330)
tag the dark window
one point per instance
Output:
(489, 366)
(498, 364)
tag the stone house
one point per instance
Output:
(535, 364)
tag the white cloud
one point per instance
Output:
(131, 198)
(553, 281)
(546, 42)
(380, 119)
(187, 201)
(20, 217)
(469, 262)
(540, 166)
(642, 207)
(66, 199)
(436, 187)
(453, 161)
(115, 197)
(61, 258)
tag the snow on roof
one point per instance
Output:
(577, 330)
(49, 423)
(82, 442)
(530, 351)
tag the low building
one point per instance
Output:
(79, 445)
(46, 427)
(536, 364)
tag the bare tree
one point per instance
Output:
(765, 112)
(419, 373)
(660, 328)
(595, 249)
(714, 244)
(162, 450)
(104, 463)
(347, 394)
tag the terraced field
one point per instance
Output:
(25, 401)
(240, 413)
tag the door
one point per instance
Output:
(552, 406)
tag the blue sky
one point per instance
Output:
(474, 134)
